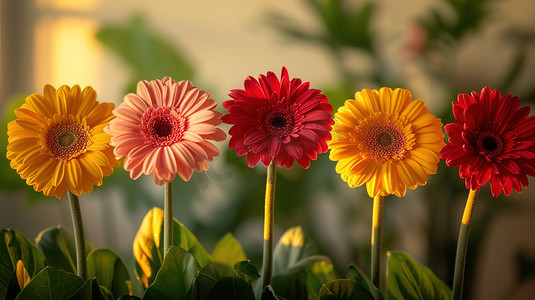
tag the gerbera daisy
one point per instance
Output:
(165, 129)
(493, 139)
(386, 140)
(281, 120)
(57, 142)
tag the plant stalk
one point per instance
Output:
(167, 218)
(376, 243)
(268, 224)
(79, 239)
(462, 245)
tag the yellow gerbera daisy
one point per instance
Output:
(57, 142)
(386, 140)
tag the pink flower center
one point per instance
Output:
(67, 140)
(162, 126)
(384, 141)
(279, 122)
(489, 144)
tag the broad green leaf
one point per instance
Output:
(296, 261)
(246, 269)
(292, 247)
(208, 277)
(57, 244)
(14, 247)
(230, 288)
(91, 290)
(176, 278)
(51, 284)
(290, 286)
(228, 251)
(110, 271)
(316, 275)
(344, 289)
(148, 246)
(149, 55)
(214, 272)
(357, 275)
(407, 279)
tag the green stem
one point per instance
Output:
(268, 223)
(377, 232)
(168, 218)
(462, 245)
(79, 239)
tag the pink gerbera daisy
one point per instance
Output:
(281, 120)
(165, 129)
(493, 139)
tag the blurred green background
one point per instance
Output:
(435, 48)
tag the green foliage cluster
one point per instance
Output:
(300, 272)
(188, 272)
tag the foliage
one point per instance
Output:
(300, 270)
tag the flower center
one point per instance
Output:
(489, 144)
(381, 137)
(162, 126)
(67, 140)
(279, 122)
(384, 141)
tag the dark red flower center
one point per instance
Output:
(162, 126)
(67, 140)
(489, 144)
(279, 122)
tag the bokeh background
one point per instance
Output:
(435, 48)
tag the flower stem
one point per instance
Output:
(462, 245)
(167, 218)
(377, 232)
(79, 239)
(268, 224)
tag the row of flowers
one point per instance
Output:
(65, 142)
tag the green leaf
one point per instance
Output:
(292, 247)
(149, 55)
(316, 275)
(228, 251)
(51, 284)
(230, 288)
(148, 246)
(91, 290)
(290, 286)
(296, 266)
(176, 278)
(57, 244)
(357, 275)
(344, 289)
(246, 269)
(407, 279)
(110, 271)
(208, 277)
(14, 247)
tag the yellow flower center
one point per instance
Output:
(383, 136)
(67, 140)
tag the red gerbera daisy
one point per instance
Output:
(281, 120)
(492, 139)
